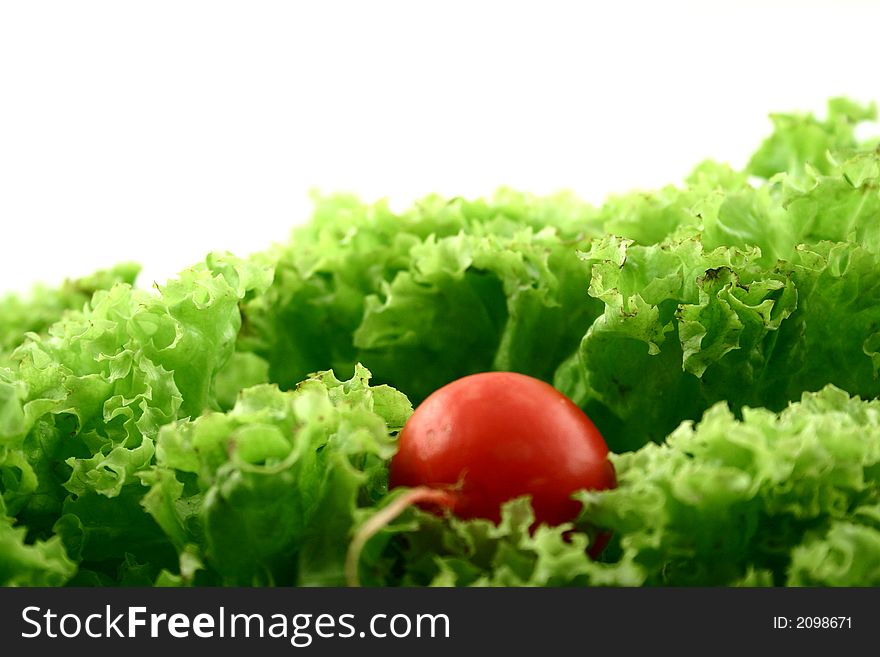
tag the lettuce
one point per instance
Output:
(787, 498)
(446, 289)
(234, 426)
(44, 306)
(267, 493)
(787, 494)
(801, 140)
(684, 328)
(845, 555)
(703, 315)
(35, 563)
(82, 408)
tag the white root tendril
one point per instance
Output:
(384, 518)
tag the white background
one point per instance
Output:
(157, 131)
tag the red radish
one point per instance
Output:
(491, 437)
(487, 438)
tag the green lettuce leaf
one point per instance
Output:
(44, 305)
(266, 493)
(773, 493)
(449, 288)
(82, 406)
(845, 555)
(37, 563)
(683, 327)
(801, 140)
(421, 549)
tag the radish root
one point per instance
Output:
(385, 517)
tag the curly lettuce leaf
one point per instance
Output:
(773, 493)
(845, 555)
(37, 563)
(801, 140)
(82, 406)
(421, 549)
(841, 206)
(682, 328)
(448, 288)
(45, 305)
(266, 493)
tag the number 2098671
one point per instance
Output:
(812, 623)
